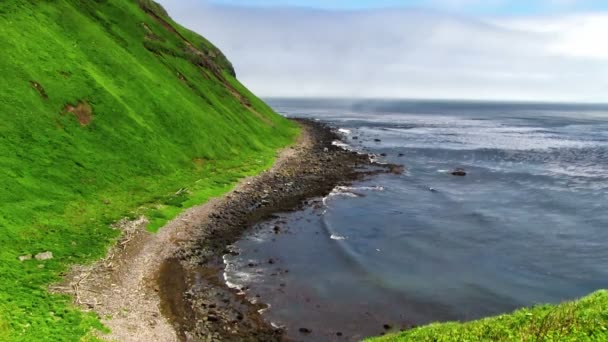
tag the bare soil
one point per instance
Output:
(83, 112)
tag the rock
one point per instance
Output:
(383, 154)
(44, 256)
(25, 257)
(271, 261)
(305, 330)
(377, 140)
(277, 229)
(355, 138)
(459, 172)
(387, 327)
(401, 154)
(433, 190)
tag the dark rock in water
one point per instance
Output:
(397, 169)
(433, 190)
(305, 330)
(277, 229)
(401, 154)
(271, 261)
(459, 172)
(383, 154)
(377, 140)
(355, 138)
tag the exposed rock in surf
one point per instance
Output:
(459, 172)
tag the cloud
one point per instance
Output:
(298, 52)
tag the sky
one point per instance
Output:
(518, 50)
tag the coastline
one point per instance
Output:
(210, 309)
(169, 286)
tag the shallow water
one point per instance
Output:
(528, 224)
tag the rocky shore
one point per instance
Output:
(193, 294)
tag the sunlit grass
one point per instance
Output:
(582, 320)
(62, 184)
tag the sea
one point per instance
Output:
(528, 224)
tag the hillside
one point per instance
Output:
(109, 109)
(582, 320)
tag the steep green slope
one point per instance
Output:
(582, 320)
(108, 108)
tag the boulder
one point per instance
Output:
(44, 256)
(305, 330)
(25, 257)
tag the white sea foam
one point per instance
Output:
(337, 237)
(344, 130)
(358, 188)
(342, 145)
(261, 311)
(350, 191)
(235, 279)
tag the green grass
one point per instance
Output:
(582, 320)
(164, 118)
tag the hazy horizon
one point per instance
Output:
(503, 50)
(431, 100)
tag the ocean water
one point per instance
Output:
(528, 224)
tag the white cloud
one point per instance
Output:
(406, 54)
(576, 35)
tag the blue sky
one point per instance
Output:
(483, 7)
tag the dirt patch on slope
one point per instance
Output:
(82, 111)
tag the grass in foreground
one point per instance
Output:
(582, 320)
(107, 111)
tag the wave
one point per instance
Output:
(342, 145)
(350, 191)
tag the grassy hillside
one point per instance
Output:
(583, 320)
(108, 109)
